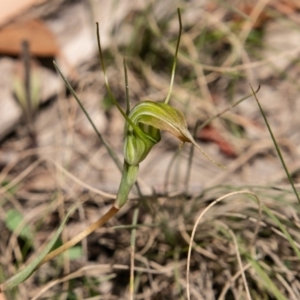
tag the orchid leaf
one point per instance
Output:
(27, 271)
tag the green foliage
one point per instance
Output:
(254, 39)
(75, 252)
(12, 188)
(13, 220)
(266, 280)
(27, 271)
(107, 104)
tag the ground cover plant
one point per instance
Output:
(246, 246)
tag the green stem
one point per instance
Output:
(126, 87)
(110, 94)
(175, 57)
(129, 176)
(132, 242)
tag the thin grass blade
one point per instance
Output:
(175, 58)
(276, 147)
(108, 148)
(283, 229)
(266, 280)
